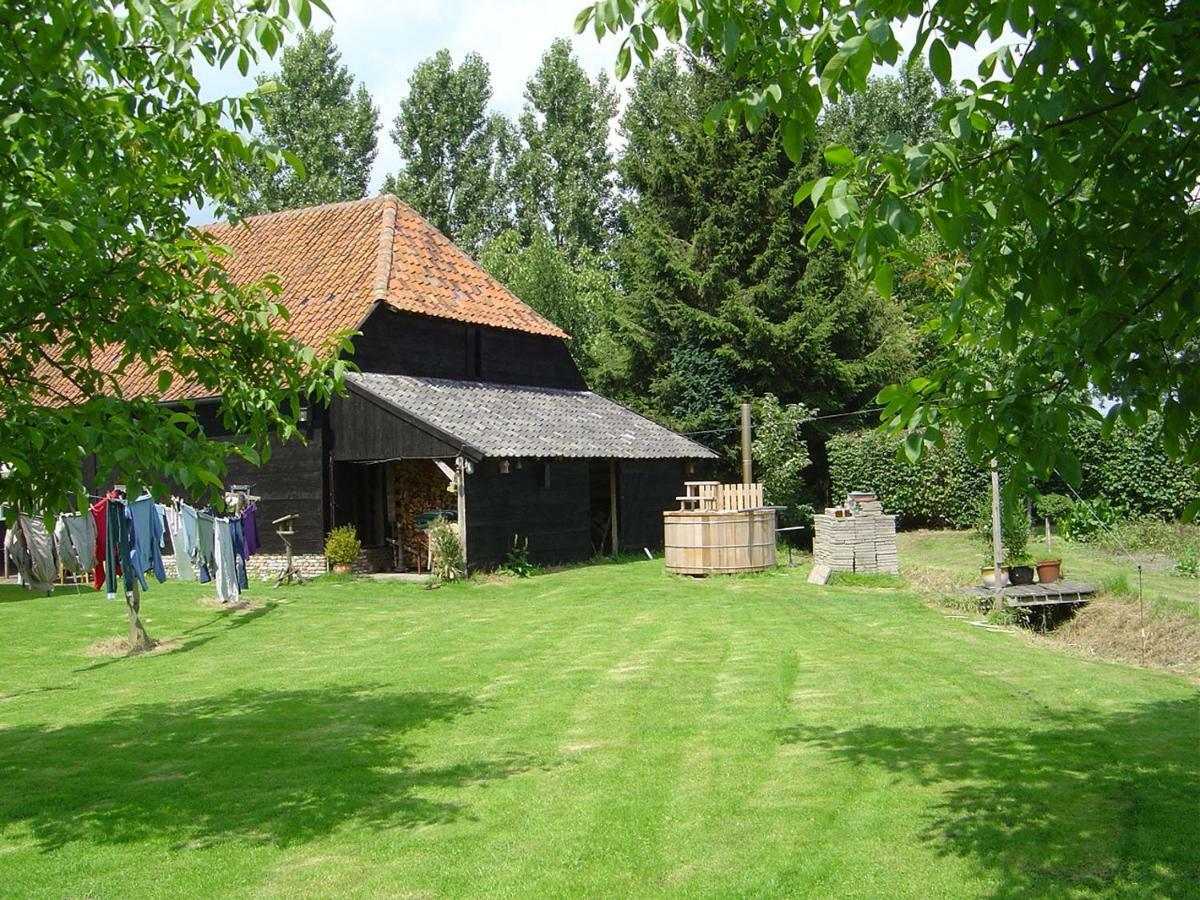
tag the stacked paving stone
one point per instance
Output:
(856, 537)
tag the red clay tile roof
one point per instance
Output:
(335, 264)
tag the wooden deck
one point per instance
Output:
(1020, 596)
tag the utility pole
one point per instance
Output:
(747, 465)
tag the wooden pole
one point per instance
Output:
(997, 537)
(612, 496)
(460, 470)
(747, 464)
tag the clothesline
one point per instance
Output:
(119, 537)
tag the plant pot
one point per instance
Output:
(341, 569)
(1049, 570)
(1020, 575)
(989, 576)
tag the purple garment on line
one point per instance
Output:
(250, 542)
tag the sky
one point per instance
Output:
(381, 41)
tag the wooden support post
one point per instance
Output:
(747, 464)
(997, 538)
(612, 496)
(460, 474)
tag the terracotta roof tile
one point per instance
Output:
(336, 262)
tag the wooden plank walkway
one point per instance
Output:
(1025, 595)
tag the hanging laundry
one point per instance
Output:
(146, 527)
(18, 553)
(118, 549)
(250, 528)
(205, 560)
(75, 538)
(238, 533)
(183, 551)
(226, 573)
(35, 558)
(99, 511)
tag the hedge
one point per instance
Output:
(1128, 471)
(942, 491)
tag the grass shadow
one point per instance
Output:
(1106, 803)
(276, 767)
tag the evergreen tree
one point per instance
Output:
(564, 173)
(319, 116)
(722, 297)
(456, 154)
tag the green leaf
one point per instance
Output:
(939, 61)
(913, 444)
(883, 281)
(624, 61)
(165, 377)
(831, 72)
(839, 155)
(581, 20)
(794, 140)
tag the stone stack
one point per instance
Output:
(856, 537)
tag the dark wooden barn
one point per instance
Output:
(467, 401)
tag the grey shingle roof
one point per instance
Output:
(511, 420)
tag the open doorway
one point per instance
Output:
(605, 503)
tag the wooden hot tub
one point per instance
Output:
(716, 542)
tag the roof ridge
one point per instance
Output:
(387, 240)
(474, 262)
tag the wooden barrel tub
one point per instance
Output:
(712, 542)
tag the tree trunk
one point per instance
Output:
(138, 639)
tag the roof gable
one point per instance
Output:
(336, 262)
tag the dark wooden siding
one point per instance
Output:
(396, 343)
(365, 430)
(553, 512)
(292, 481)
(648, 487)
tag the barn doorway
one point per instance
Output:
(605, 505)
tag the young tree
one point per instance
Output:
(456, 154)
(564, 174)
(104, 143)
(1065, 175)
(317, 114)
(577, 295)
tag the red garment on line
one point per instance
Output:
(100, 517)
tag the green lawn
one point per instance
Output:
(608, 730)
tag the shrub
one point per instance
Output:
(445, 551)
(942, 490)
(1188, 566)
(1089, 520)
(1014, 532)
(781, 456)
(342, 546)
(1053, 507)
(516, 561)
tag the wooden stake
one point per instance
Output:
(747, 465)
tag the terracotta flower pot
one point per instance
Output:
(989, 577)
(1049, 570)
(1021, 575)
(341, 569)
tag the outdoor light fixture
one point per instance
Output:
(504, 467)
(303, 417)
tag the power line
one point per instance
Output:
(814, 419)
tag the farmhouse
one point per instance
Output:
(467, 401)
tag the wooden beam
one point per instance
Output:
(612, 494)
(460, 469)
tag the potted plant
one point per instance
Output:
(1020, 567)
(988, 573)
(342, 548)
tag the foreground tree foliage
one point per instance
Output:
(318, 115)
(104, 141)
(1063, 182)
